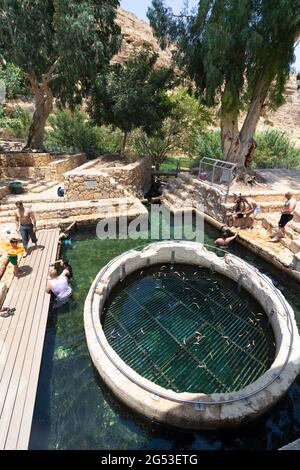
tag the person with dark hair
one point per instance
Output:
(13, 249)
(25, 225)
(239, 210)
(66, 268)
(225, 239)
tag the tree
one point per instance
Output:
(132, 96)
(60, 46)
(180, 130)
(239, 54)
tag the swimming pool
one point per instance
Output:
(74, 409)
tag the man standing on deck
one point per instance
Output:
(287, 216)
(25, 225)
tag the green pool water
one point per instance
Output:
(74, 409)
(188, 329)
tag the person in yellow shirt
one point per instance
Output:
(13, 249)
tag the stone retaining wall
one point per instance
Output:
(38, 165)
(90, 182)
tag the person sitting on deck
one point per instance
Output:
(58, 287)
(287, 216)
(240, 210)
(225, 239)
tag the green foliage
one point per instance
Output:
(275, 150)
(15, 123)
(238, 53)
(132, 96)
(231, 46)
(188, 119)
(11, 75)
(75, 37)
(60, 47)
(209, 145)
(72, 132)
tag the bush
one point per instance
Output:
(71, 132)
(275, 150)
(11, 75)
(16, 123)
(208, 145)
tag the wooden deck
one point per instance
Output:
(21, 343)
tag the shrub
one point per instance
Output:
(208, 145)
(275, 150)
(16, 123)
(71, 132)
(11, 75)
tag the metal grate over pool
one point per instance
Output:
(189, 330)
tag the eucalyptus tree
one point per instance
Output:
(239, 55)
(60, 46)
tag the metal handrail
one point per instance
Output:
(168, 396)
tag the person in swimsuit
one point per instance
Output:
(25, 225)
(287, 215)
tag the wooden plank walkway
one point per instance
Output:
(21, 343)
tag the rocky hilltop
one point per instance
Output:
(136, 34)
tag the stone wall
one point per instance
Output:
(38, 165)
(91, 182)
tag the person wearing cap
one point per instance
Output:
(239, 210)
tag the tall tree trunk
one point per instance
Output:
(230, 137)
(43, 108)
(238, 146)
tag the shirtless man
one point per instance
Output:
(225, 240)
(25, 225)
(288, 211)
(239, 210)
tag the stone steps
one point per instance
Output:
(64, 210)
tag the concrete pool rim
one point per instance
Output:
(188, 410)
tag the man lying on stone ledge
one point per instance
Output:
(243, 213)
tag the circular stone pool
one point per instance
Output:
(189, 338)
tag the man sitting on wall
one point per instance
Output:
(240, 211)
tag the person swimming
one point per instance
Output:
(225, 239)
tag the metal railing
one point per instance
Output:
(217, 173)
